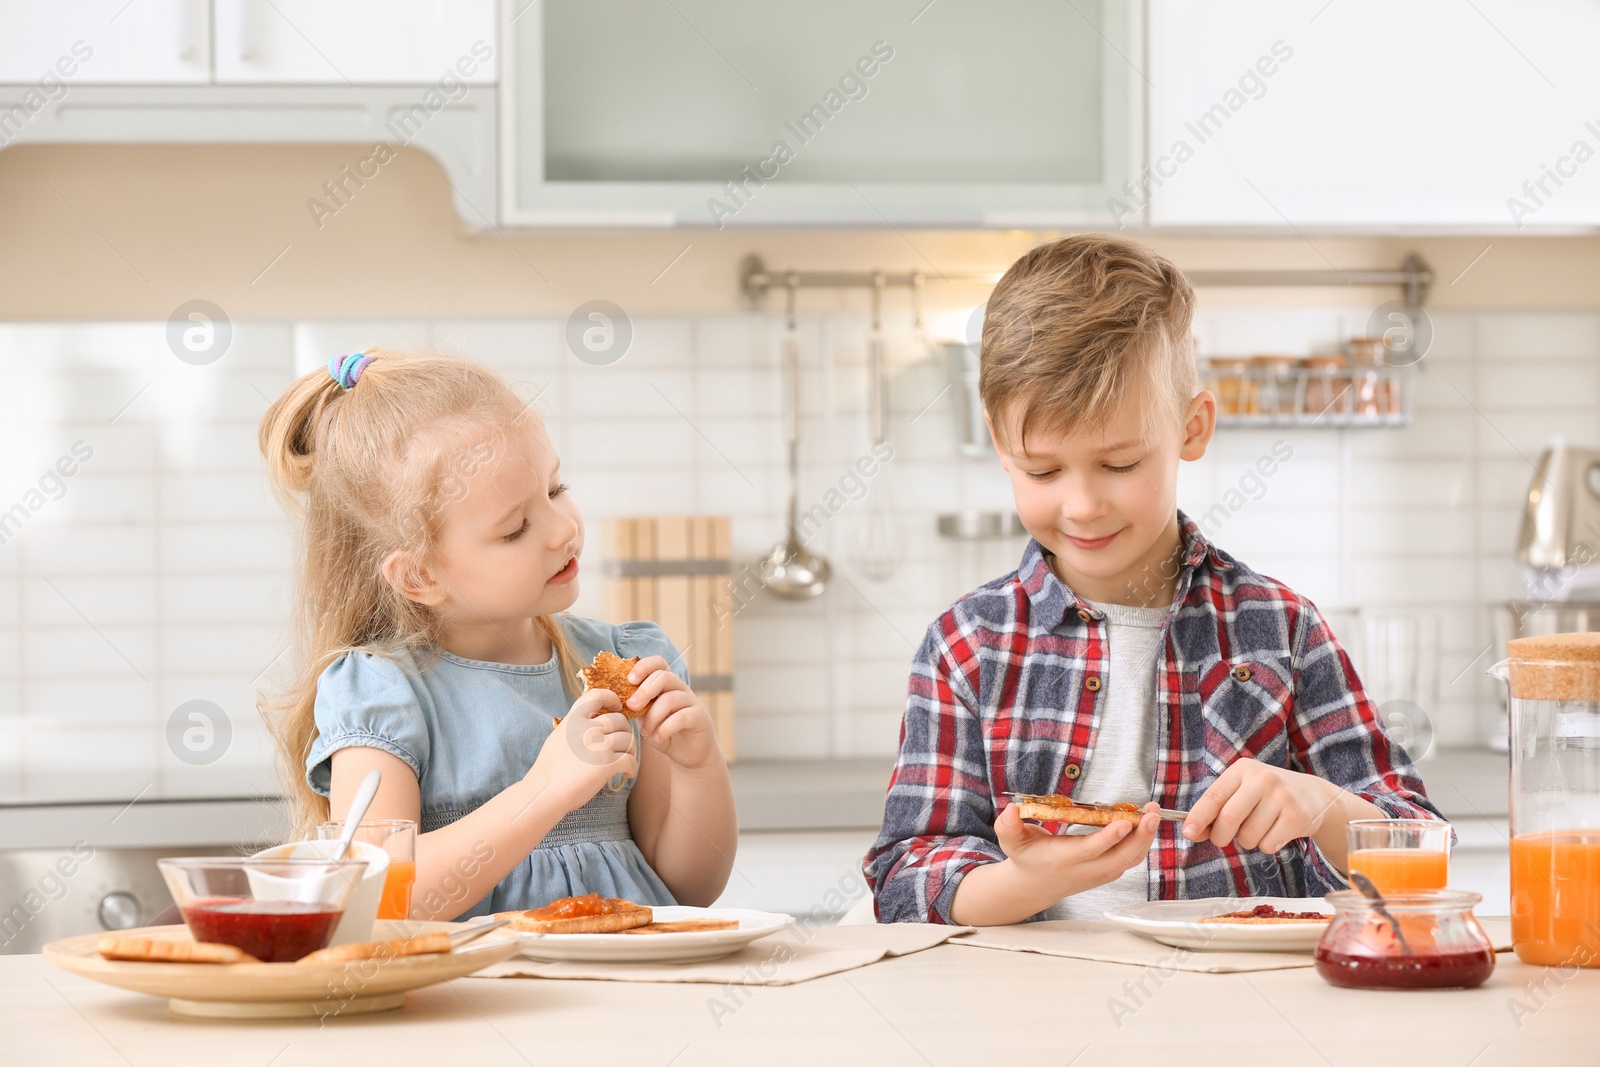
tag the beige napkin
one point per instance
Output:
(1108, 943)
(796, 954)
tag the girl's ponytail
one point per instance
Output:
(288, 435)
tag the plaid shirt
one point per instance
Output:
(1006, 694)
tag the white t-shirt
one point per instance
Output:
(1122, 764)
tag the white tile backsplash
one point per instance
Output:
(162, 574)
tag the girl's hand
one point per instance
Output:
(1071, 863)
(1261, 807)
(676, 723)
(592, 742)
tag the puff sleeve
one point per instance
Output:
(365, 700)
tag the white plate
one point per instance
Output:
(1176, 923)
(691, 947)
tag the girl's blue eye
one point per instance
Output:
(518, 532)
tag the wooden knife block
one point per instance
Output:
(676, 571)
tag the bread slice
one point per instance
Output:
(1061, 809)
(610, 671)
(421, 945)
(686, 926)
(1266, 913)
(624, 915)
(160, 950)
(1254, 919)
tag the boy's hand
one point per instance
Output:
(1071, 863)
(1261, 807)
(676, 723)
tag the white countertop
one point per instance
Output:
(949, 1005)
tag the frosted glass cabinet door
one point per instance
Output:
(722, 112)
(355, 42)
(104, 42)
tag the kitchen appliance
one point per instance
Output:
(1561, 523)
(80, 868)
(1559, 547)
(1554, 687)
(111, 889)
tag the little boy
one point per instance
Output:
(1127, 658)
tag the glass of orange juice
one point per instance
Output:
(1401, 855)
(397, 837)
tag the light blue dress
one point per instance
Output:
(471, 729)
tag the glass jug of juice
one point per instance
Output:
(1555, 797)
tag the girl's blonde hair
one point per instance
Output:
(369, 471)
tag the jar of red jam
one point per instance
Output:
(1439, 943)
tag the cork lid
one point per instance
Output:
(1555, 667)
(1582, 647)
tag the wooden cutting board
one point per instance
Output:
(676, 571)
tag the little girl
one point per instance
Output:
(439, 546)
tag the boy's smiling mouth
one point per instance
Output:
(1092, 543)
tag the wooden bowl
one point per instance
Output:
(282, 990)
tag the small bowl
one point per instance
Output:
(362, 909)
(303, 901)
(1443, 947)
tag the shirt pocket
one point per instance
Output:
(1246, 702)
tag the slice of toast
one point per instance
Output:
(421, 945)
(625, 915)
(1266, 913)
(1231, 919)
(610, 671)
(160, 950)
(686, 926)
(1064, 811)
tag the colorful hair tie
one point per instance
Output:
(346, 370)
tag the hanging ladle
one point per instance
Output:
(789, 570)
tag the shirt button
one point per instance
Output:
(1084, 615)
(1073, 770)
(1092, 684)
(1242, 673)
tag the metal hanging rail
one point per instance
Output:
(1414, 276)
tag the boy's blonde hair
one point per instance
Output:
(1079, 325)
(369, 471)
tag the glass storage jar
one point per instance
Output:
(1428, 939)
(1554, 698)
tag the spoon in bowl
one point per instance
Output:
(358, 810)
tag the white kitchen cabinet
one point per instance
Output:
(1362, 113)
(699, 113)
(354, 42)
(419, 73)
(100, 42)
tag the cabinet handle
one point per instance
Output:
(247, 31)
(185, 31)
